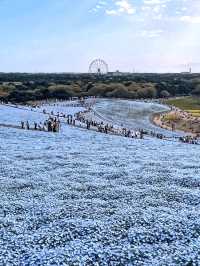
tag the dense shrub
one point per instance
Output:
(196, 91)
(164, 94)
(61, 91)
(148, 92)
(21, 96)
(119, 93)
(99, 90)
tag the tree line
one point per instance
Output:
(22, 87)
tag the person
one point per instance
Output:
(49, 127)
(35, 125)
(88, 124)
(22, 124)
(54, 126)
(45, 126)
(27, 125)
(41, 125)
(59, 124)
(106, 129)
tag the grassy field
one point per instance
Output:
(189, 104)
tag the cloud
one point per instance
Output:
(100, 5)
(111, 12)
(103, 3)
(151, 33)
(190, 19)
(154, 9)
(155, 2)
(125, 6)
(122, 7)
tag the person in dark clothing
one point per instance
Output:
(35, 125)
(54, 127)
(106, 129)
(128, 133)
(27, 125)
(22, 124)
(49, 127)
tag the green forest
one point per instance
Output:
(23, 87)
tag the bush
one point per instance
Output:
(61, 91)
(61, 94)
(119, 93)
(21, 96)
(148, 92)
(134, 86)
(99, 90)
(44, 92)
(164, 94)
(196, 91)
(172, 117)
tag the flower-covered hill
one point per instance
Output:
(84, 198)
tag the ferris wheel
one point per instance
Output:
(98, 66)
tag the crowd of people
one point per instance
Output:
(80, 119)
(122, 131)
(50, 125)
(189, 139)
(107, 128)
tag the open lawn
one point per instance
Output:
(188, 104)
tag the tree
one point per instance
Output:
(196, 91)
(164, 94)
(99, 89)
(148, 92)
(119, 93)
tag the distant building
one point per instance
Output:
(187, 72)
(118, 73)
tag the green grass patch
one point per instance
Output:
(186, 103)
(195, 113)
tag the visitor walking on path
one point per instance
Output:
(22, 124)
(27, 125)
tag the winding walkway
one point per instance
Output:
(80, 125)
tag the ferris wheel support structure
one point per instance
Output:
(99, 67)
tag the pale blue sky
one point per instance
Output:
(65, 35)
